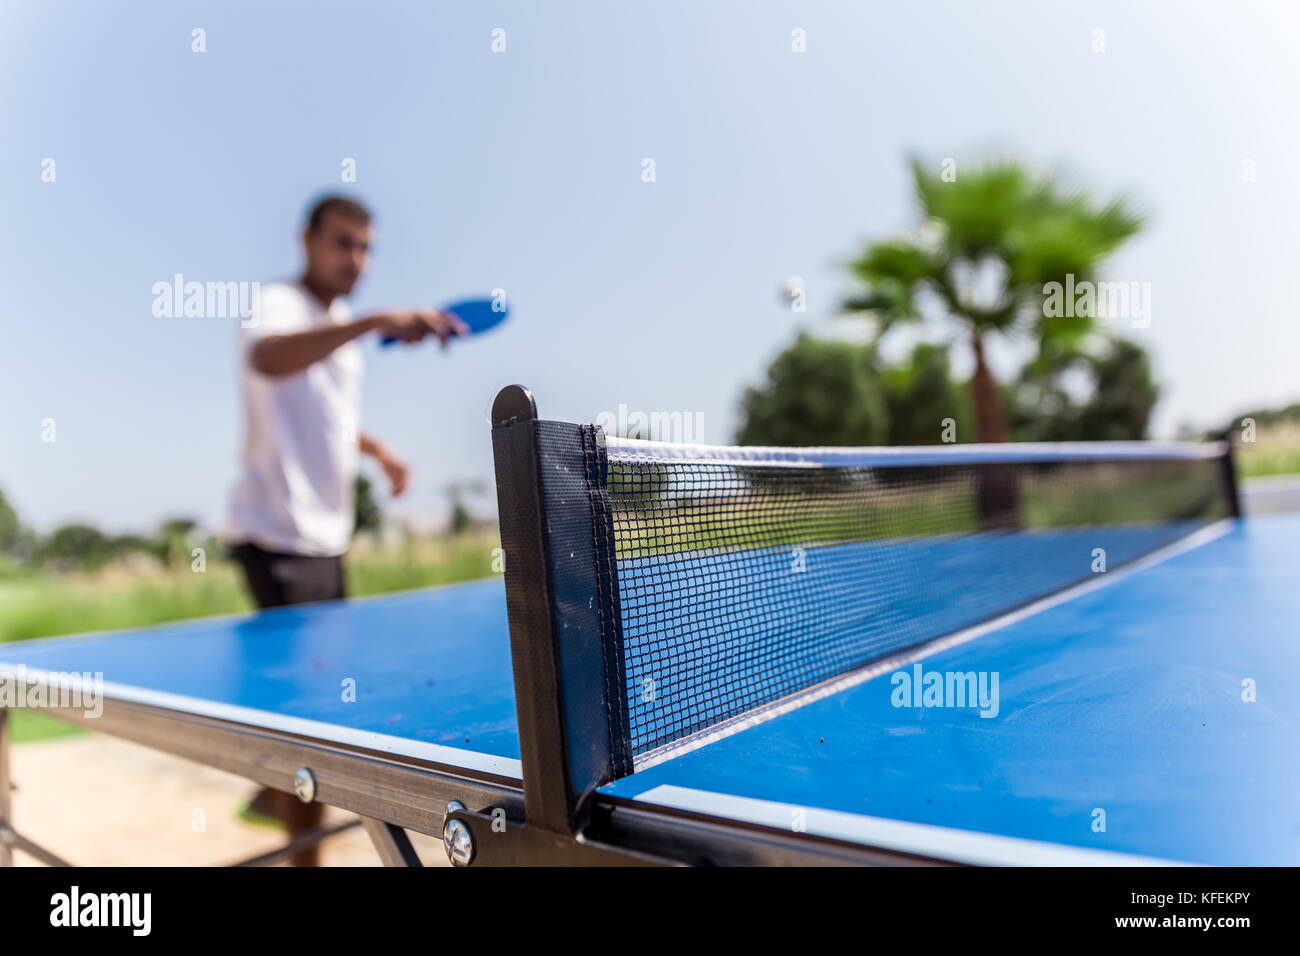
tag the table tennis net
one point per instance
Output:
(746, 575)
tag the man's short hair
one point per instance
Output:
(342, 205)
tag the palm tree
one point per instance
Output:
(991, 239)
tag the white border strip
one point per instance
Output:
(634, 449)
(922, 839)
(313, 730)
(834, 685)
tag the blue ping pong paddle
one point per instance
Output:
(477, 314)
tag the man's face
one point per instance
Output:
(337, 252)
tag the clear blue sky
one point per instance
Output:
(522, 170)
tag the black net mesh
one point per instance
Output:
(743, 582)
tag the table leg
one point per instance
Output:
(391, 843)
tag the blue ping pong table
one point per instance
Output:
(1146, 715)
(1123, 732)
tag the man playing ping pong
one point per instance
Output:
(291, 512)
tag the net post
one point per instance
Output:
(6, 822)
(1229, 472)
(562, 604)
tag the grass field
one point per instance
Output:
(1275, 451)
(43, 605)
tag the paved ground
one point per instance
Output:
(98, 801)
(1269, 495)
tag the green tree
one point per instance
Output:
(124, 544)
(461, 518)
(817, 392)
(991, 240)
(1124, 394)
(1262, 416)
(365, 509)
(9, 527)
(171, 542)
(1113, 398)
(921, 396)
(77, 546)
(839, 393)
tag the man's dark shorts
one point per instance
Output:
(277, 579)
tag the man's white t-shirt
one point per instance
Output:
(300, 452)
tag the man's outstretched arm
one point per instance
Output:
(278, 355)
